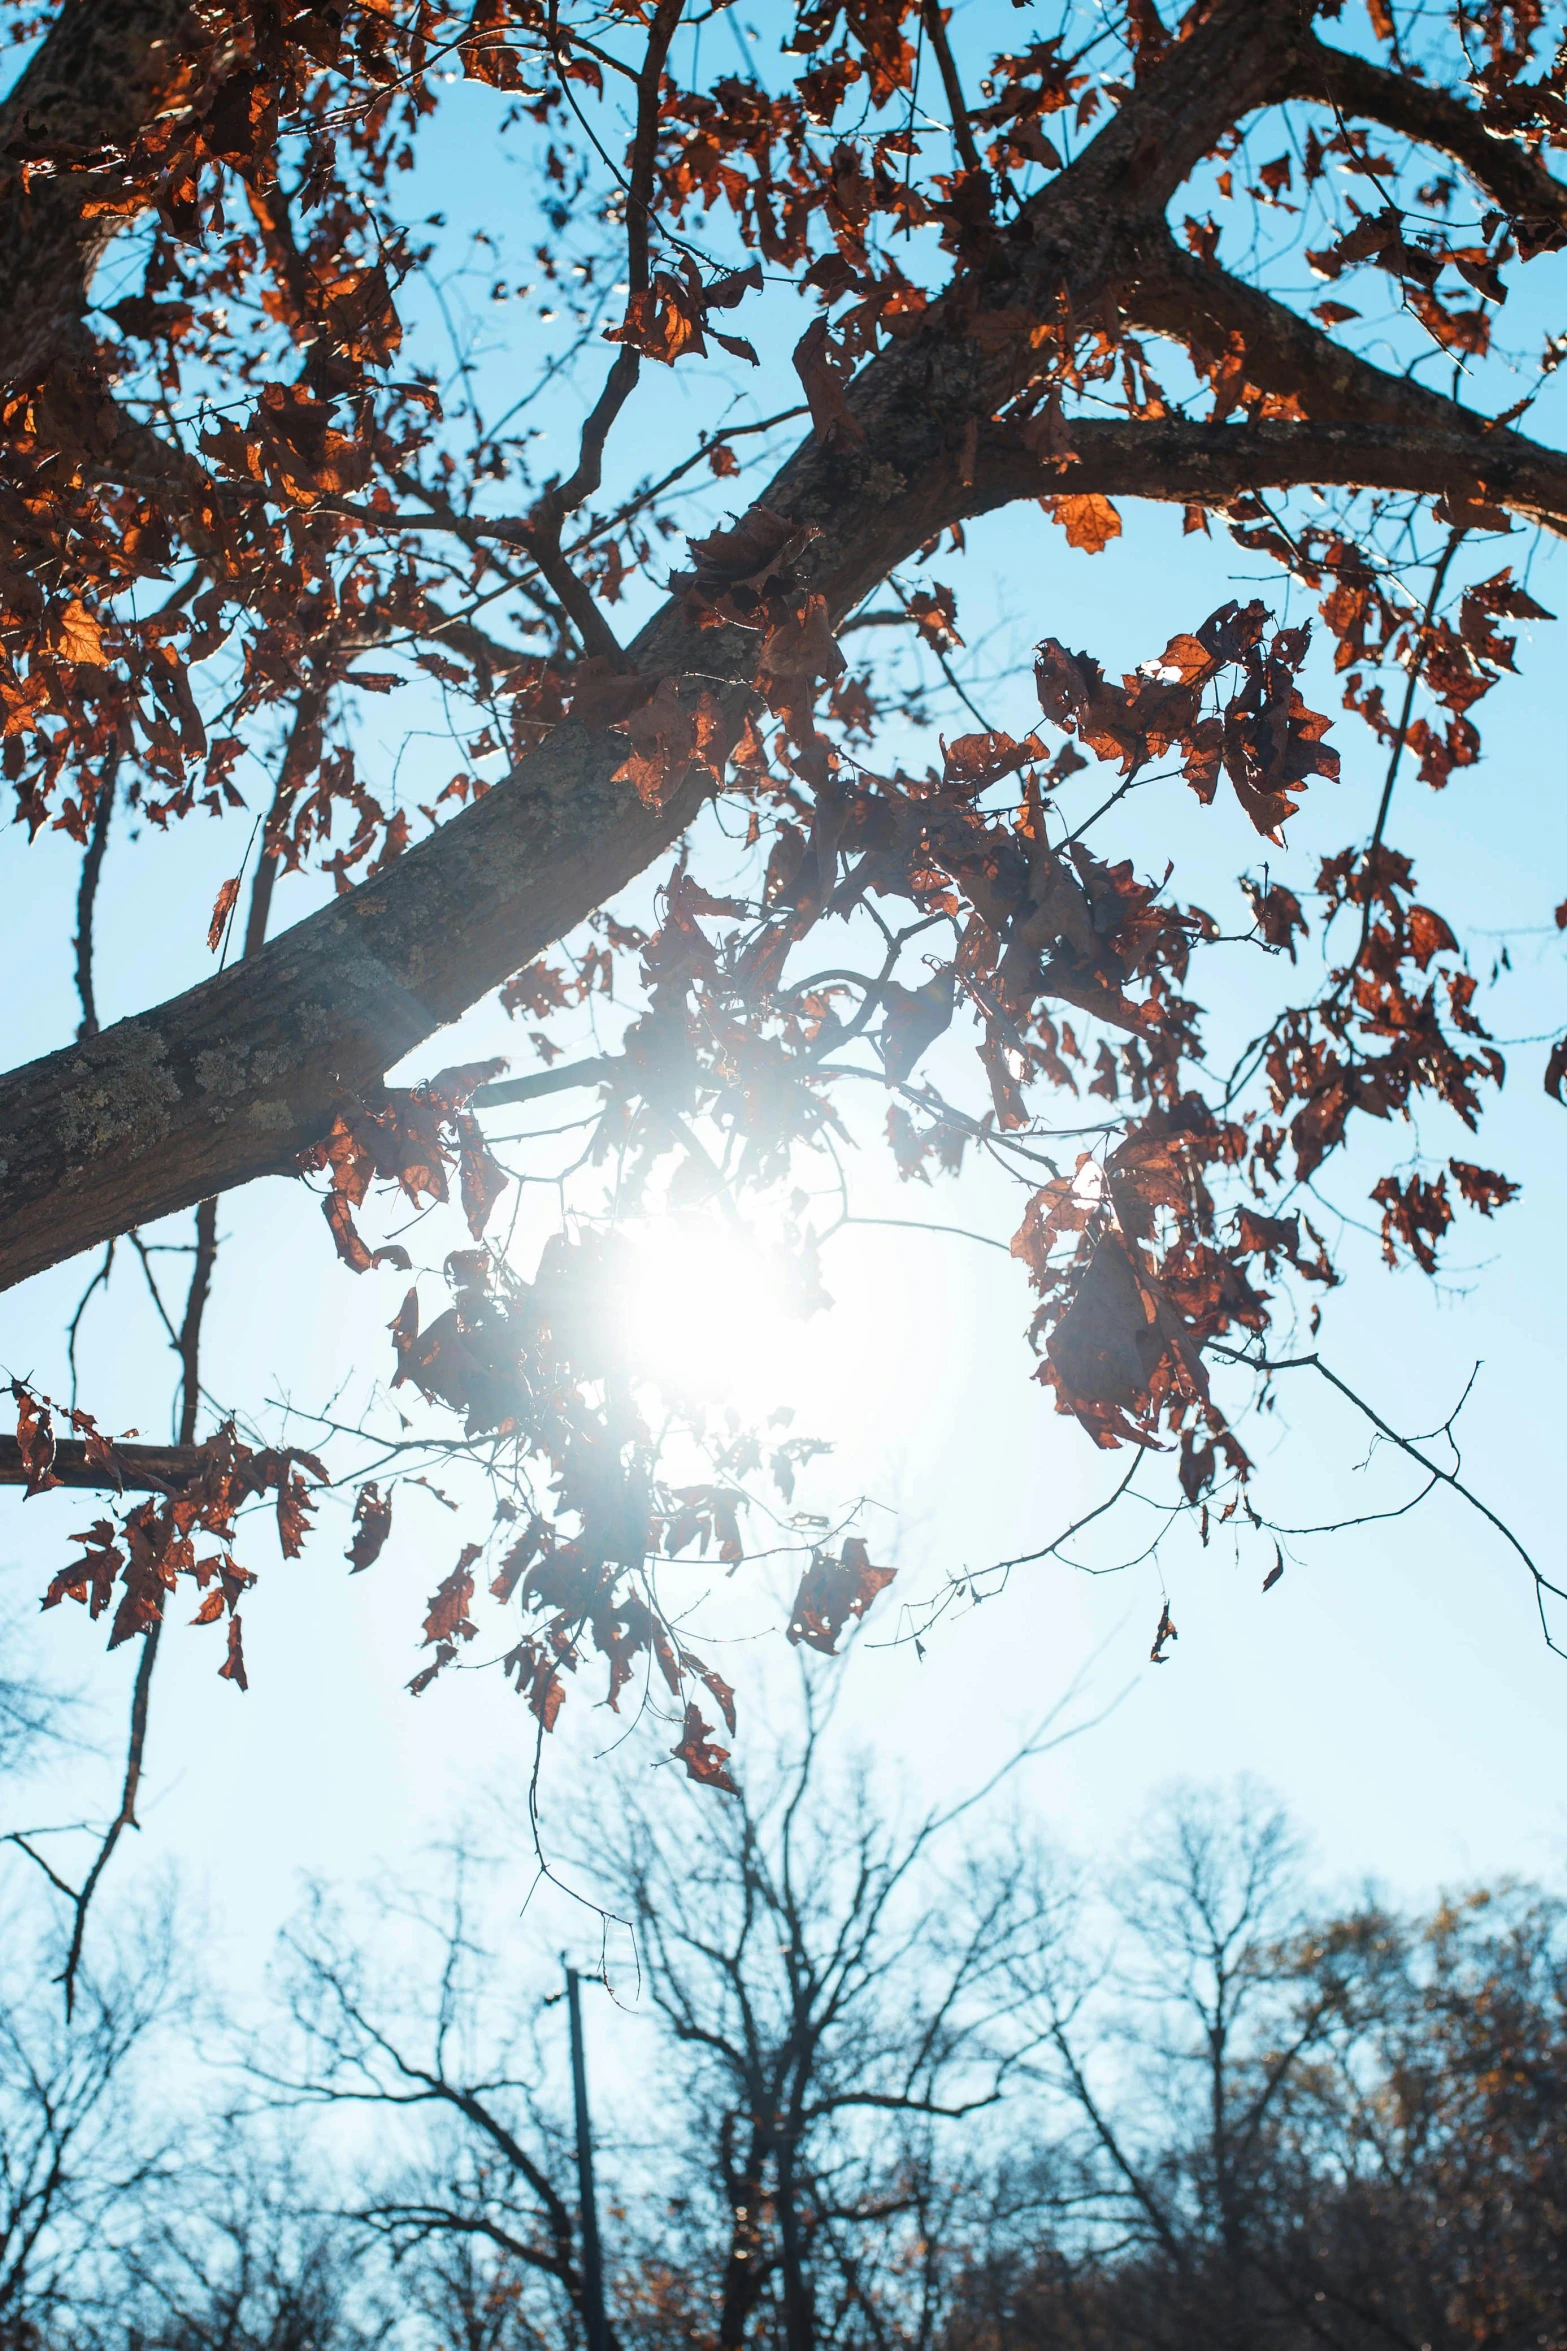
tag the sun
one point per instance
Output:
(709, 1317)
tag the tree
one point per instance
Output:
(1281, 2124)
(478, 2208)
(832, 1986)
(231, 486)
(992, 2096)
(79, 2150)
(814, 1999)
(238, 2258)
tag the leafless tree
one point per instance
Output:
(478, 2210)
(80, 2146)
(242, 2257)
(833, 1988)
(1275, 2126)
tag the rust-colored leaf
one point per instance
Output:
(1087, 517)
(35, 1439)
(703, 1760)
(372, 1525)
(832, 1591)
(222, 908)
(233, 1667)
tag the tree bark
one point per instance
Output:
(105, 70)
(143, 1469)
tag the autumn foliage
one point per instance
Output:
(243, 508)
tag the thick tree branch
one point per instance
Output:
(1514, 179)
(1203, 307)
(1211, 464)
(142, 1469)
(103, 72)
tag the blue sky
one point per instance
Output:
(1392, 1688)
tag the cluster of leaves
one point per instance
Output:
(142, 1553)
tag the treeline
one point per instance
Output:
(866, 2082)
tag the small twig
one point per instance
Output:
(99, 1280)
(1406, 1445)
(1401, 736)
(125, 1818)
(934, 23)
(301, 752)
(87, 892)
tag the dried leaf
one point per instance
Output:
(233, 1667)
(223, 907)
(1087, 517)
(80, 637)
(703, 1760)
(372, 1525)
(832, 1591)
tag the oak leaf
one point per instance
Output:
(703, 1760)
(1087, 517)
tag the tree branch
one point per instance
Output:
(226, 1082)
(92, 87)
(137, 1469)
(1515, 180)
(962, 129)
(1194, 303)
(1211, 464)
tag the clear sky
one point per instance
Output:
(1392, 1688)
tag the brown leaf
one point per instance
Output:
(515, 1563)
(223, 907)
(34, 1440)
(1481, 1187)
(448, 1607)
(233, 1667)
(293, 1505)
(351, 1248)
(703, 1760)
(483, 1178)
(1429, 935)
(80, 637)
(831, 1592)
(89, 1579)
(1087, 517)
(372, 1525)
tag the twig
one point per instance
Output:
(1401, 734)
(1406, 1445)
(935, 24)
(87, 892)
(301, 751)
(125, 1818)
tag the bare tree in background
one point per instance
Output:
(80, 2148)
(885, 2086)
(1268, 2126)
(831, 1983)
(242, 2258)
(819, 2002)
(473, 2190)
